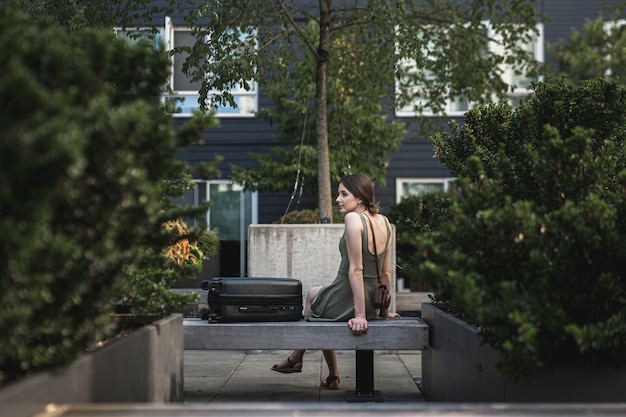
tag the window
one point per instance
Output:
(613, 30)
(415, 78)
(134, 36)
(232, 210)
(518, 82)
(182, 90)
(230, 206)
(406, 187)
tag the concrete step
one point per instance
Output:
(285, 409)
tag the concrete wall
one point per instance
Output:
(459, 367)
(308, 252)
(144, 366)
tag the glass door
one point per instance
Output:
(232, 210)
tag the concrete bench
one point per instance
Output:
(407, 333)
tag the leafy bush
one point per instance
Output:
(533, 251)
(87, 155)
(307, 216)
(147, 289)
(413, 216)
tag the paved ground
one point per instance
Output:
(234, 376)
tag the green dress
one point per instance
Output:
(334, 302)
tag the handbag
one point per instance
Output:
(382, 297)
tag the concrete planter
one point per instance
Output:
(308, 252)
(144, 366)
(458, 367)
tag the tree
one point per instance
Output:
(356, 128)
(595, 51)
(445, 40)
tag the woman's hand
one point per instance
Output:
(392, 316)
(358, 325)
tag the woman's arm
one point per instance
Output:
(353, 233)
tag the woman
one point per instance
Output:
(350, 297)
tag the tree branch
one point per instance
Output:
(293, 23)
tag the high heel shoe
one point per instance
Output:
(292, 366)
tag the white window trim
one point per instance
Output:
(445, 181)
(609, 26)
(514, 94)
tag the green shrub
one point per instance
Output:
(412, 217)
(533, 252)
(87, 154)
(146, 291)
(307, 216)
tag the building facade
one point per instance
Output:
(412, 169)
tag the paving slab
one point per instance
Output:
(238, 376)
(237, 383)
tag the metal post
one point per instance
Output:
(364, 379)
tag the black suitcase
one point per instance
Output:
(253, 299)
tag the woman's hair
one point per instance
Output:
(361, 187)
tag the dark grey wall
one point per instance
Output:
(237, 137)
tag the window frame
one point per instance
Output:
(167, 35)
(608, 27)
(400, 181)
(238, 94)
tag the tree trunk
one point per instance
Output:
(321, 122)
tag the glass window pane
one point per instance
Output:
(522, 80)
(134, 36)
(245, 105)
(228, 210)
(183, 104)
(417, 188)
(459, 104)
(182, 82)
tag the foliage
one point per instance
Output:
(412, 217)
(147, 289)
(533, 251)
(307, 217)
(87, 154)
(356, 128)
(75, 15)
(359, 50)
(445, 38)
(595, 51)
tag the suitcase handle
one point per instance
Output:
(213, 286)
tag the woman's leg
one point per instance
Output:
(293, 363)
(310, 295)
(332, 381)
